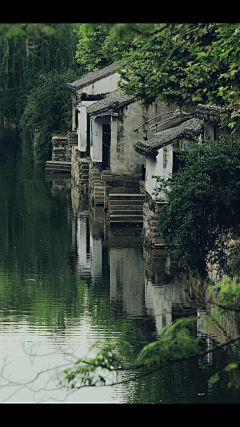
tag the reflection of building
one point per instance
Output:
(61, 184)
(143, 285)
(111, 259)
(165, 289)
(127, 278)
(83, 245)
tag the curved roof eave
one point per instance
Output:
(189, 129)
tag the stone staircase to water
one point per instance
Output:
(57, 167)
(125, 209)
(97, 188)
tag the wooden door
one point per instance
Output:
(106, 144)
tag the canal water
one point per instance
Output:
(67, 279)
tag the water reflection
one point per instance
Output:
(68, 278)
(144, 283)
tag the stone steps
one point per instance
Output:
(57, 167)
(97, 188)
(128, 202)
(126, 209)
(126, 219)
(126, 196)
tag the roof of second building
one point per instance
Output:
(93, 76)
(209, 112)
(189, 129)
(113, 100)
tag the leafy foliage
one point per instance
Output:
(28, 52)
(48, 109)
(176, 342)
(202, 216)
(36, 62)
(186, 63)
(98, 46)
(227, 298)
(91, 371)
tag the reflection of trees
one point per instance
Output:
(35, 278)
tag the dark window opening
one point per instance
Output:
(106, 143)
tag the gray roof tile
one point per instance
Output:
(93, 76)
(211, 112)
(113, 100)
(189, 129)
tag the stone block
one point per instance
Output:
(156, 241)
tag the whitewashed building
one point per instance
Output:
(177, 131)
(86, 91)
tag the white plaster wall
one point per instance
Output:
(161, 165)
(106, 84)
(82, 125)
(96, 130)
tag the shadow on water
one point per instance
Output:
(67, 278)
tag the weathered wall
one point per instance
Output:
(79, 171)
(124, 159)
(106, 84)
(160, 165)
(149, 232)
(61, 151)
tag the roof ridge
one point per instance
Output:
(188, 129)
(114, 100)
(93, 76)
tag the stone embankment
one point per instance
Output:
(150, 232)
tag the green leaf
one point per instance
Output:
(230, 367)
(214, 379)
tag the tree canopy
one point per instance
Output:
(36, 62)
(27, 50)
(185, 63)
(202, 214)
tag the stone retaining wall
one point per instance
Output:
(80, 171)
(61, 151)
(150, 233)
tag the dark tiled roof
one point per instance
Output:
(113, 100)
(211, 112)
(189, 129)
(93, 76)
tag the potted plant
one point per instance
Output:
(159, 204)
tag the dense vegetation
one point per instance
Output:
(35, 64)
(201, 219)
(182, 63)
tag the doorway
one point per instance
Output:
(106, 144)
